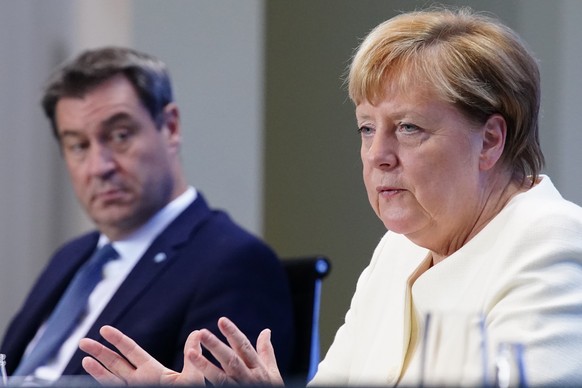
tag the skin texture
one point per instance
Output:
(430, 174)
(240, 363)
(122, 167)
(141, 368)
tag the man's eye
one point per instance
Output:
(76, 148)
(120, 135)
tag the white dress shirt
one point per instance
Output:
(130, 250)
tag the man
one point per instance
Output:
(175, 266)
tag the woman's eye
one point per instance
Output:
(364, 131)
(407, 128)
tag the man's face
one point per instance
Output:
(122, 167)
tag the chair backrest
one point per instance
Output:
(305, 276)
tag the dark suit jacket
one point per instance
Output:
(213, 268)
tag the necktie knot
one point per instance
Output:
(101, 257)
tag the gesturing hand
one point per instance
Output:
(240, 362)
(110, 368)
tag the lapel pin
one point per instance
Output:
(160, 257)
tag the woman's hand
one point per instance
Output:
(241, 363)
(110, 368)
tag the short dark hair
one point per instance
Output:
(75, 78)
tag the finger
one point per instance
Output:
(232, 364)
(211, 372)
(110, 359)
(100, 373)
(265, 348)
(127, 347)
(191, 374)
(239, 342)
(267, 356)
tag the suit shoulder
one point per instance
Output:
(82, 242)
(221, 240)
(226, 230)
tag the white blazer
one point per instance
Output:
(522, 272)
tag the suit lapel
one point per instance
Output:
(157, 258)
(45, 295)
(58, 276)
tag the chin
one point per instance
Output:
(396, 230)
(114, 217)
(399, 226)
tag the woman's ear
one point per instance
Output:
(494, 133)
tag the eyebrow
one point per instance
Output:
(116, 118)
(68, 133)
(109, 122)
(362, 115)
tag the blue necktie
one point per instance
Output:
(69, 311)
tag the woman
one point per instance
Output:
(447, 107)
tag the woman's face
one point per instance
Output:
(421, 166)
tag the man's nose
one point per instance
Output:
(101, 161)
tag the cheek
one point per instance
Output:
(138, 164)
(77, 177)
(146, 173)
(370, 186)
(366, 173)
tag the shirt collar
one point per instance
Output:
(138, 241)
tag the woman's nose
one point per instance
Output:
(382, 152)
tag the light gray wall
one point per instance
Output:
(561, 48)
(30, 196)
(214, 50)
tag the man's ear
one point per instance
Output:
(171, 124)
(494, 134)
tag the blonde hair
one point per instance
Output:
(470, 60)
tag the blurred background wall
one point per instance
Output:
(269, 131)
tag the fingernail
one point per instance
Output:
(227, 321)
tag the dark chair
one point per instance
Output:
(305, 277)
